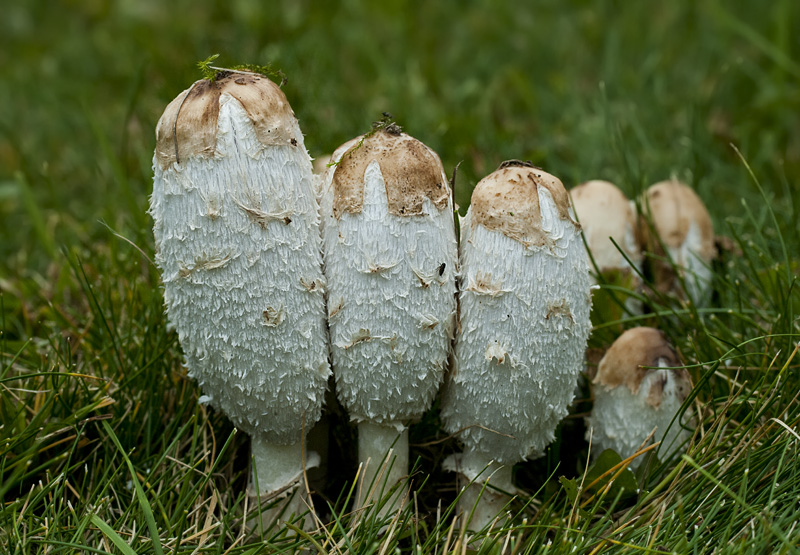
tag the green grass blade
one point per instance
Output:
(140, 495)
(113, 536)
(36, 216)
(741, 503)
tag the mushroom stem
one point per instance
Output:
(276, 482)
(486, 488)
(383, 455)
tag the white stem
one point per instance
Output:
(486, 487)
(276, 486)
(383, 456)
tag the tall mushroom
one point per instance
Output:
(683, 227)
(238, 246)
(638, 389)
(390, 260)
(524, 322)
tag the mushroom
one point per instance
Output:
(605, 213)
(238, 246)
(320, 164)
(683, 226)
(390, 260)
(524, 321)
(638, 389)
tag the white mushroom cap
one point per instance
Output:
(237, 241)
(639, 387)
(605, 212)
(321, 164)
(683, 225)
(391, 261)
(524, 316)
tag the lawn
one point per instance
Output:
(103, 445)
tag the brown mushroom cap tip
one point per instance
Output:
(673, 207)
(604, 211)
(411, 172)
(188, 126)
(600, 193)
(507, 201)
(627, 360)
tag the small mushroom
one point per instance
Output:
(321, 164)
(238, 246)
(524, 322)
(638, 389)
(683, 226)
(605, 213)
(390, 260)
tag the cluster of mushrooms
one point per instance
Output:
(274, 277)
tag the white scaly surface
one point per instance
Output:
(621, 420)
(524, 325)
(238, 245)
(391, 302)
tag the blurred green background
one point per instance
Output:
(633, 92)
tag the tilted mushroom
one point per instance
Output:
(605, 213)
(638, 389)
(321, 164)
(390, 260)
(238, 245)
(524, 322)
(682, 224)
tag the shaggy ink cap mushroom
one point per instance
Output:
(237, 242)
(524, 322)
(608, 220)
(605, 213)
(639, 387)
(683, 226)
(391, 262)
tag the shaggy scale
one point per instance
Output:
(236, 240)
(622, 420)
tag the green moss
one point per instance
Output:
(212, 73)
(209, 73)
(386, 123)
(266, 71)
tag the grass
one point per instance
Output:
(103, 446)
